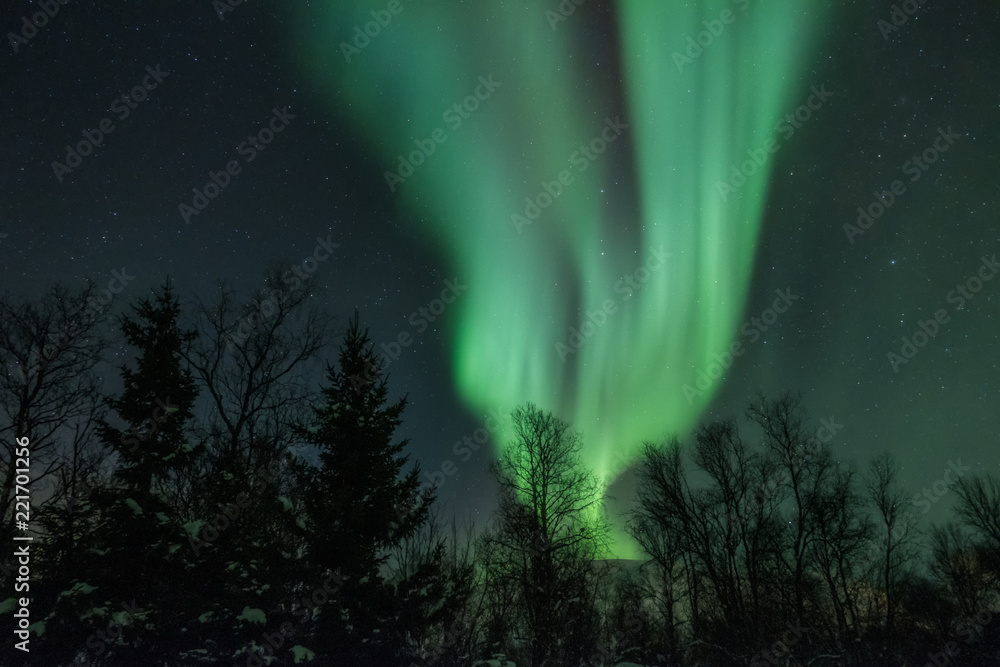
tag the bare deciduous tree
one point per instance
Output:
(49, 390)
(550, 533)
(897, 548)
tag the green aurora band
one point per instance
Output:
(689, 123)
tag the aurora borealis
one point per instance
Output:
(538, 90)
(648, 218)
(574, 315)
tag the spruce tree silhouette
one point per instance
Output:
(137, 560)
(359, 505)
(157, 399)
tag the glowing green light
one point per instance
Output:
(688, 125)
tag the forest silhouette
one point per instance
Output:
(238, 494)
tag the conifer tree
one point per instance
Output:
(135, 571)
(360, 504)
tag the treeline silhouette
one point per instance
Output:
(243, 500)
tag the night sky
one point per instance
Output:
(893, 93)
